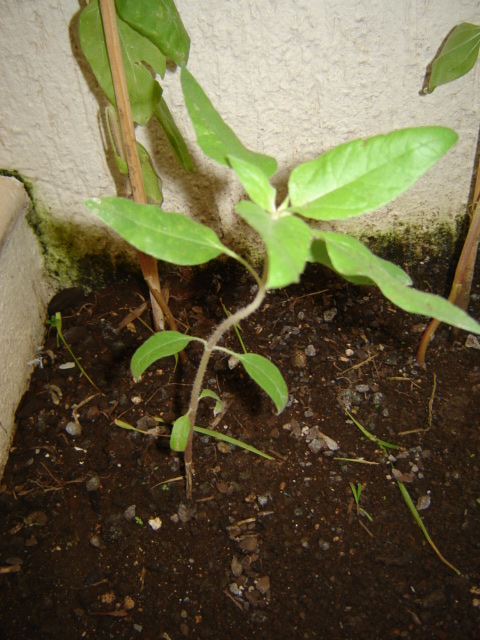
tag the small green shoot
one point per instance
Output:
(236, 328)
(56, 322)
(138, 520)
(406, 496)
(206, 432)
(418, 520)
(357, 492)
(370, 436)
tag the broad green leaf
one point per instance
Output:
(174, 137)
(363, 175)
(238, 443)
(349, 257)
(358, 264)
(143, 90)
(255, 183)
(267, 376)
(219, 404)
(160, 22)
(160, 345)
(180, 431)
(166, 236)
(457, 56)
(287, 241)
(151, 181)
(214, 136)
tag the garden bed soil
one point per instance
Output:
(97, 539)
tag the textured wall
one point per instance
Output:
(292, 77)
(23, 299)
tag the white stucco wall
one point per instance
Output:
(23, 301)
(292, 77)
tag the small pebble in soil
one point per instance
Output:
(299, 359)
(36, 518)
(93, 483)
(236, 567)
(73, 429)
(129, 513)
(324, 545)
(362, 388)
(233, 362)
(96, 542)
(235, 589)
(310, 351)
(263, 585)
(330, 314)
(155, 523)
(262, 501)
(423, 503)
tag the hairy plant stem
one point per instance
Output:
(208, 349)
(148, 264)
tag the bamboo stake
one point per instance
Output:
(462, 281)
(148, 264)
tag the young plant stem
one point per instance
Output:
(462, 281)
(211, 343)
(148, 264)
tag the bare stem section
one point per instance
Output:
(209, 347)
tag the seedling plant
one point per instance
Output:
(357, 492)
(348, 181)
(56, 322)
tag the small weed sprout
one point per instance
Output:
(357, 492)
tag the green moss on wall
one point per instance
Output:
(92, 256)
(85, 256)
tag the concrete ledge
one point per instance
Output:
(23, 302)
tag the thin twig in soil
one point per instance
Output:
(177, 479)
(234, 600)
(430, 412)
(360, 364)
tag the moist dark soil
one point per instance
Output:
(97, 538)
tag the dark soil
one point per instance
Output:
(267, 549)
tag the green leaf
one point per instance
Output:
(143, 90)
(166, 236)
(363, 175)
(369, 435)
(255, 183)
(174, 137)
(349, 257)
(354, 261)
(151, 181)
(180, 431)
(160, 345)
(219, 404)
(287, 241)
(160, 22)
(267, 376)
(418, 520)
(214, 136)
(230, 440)
(457, 56)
